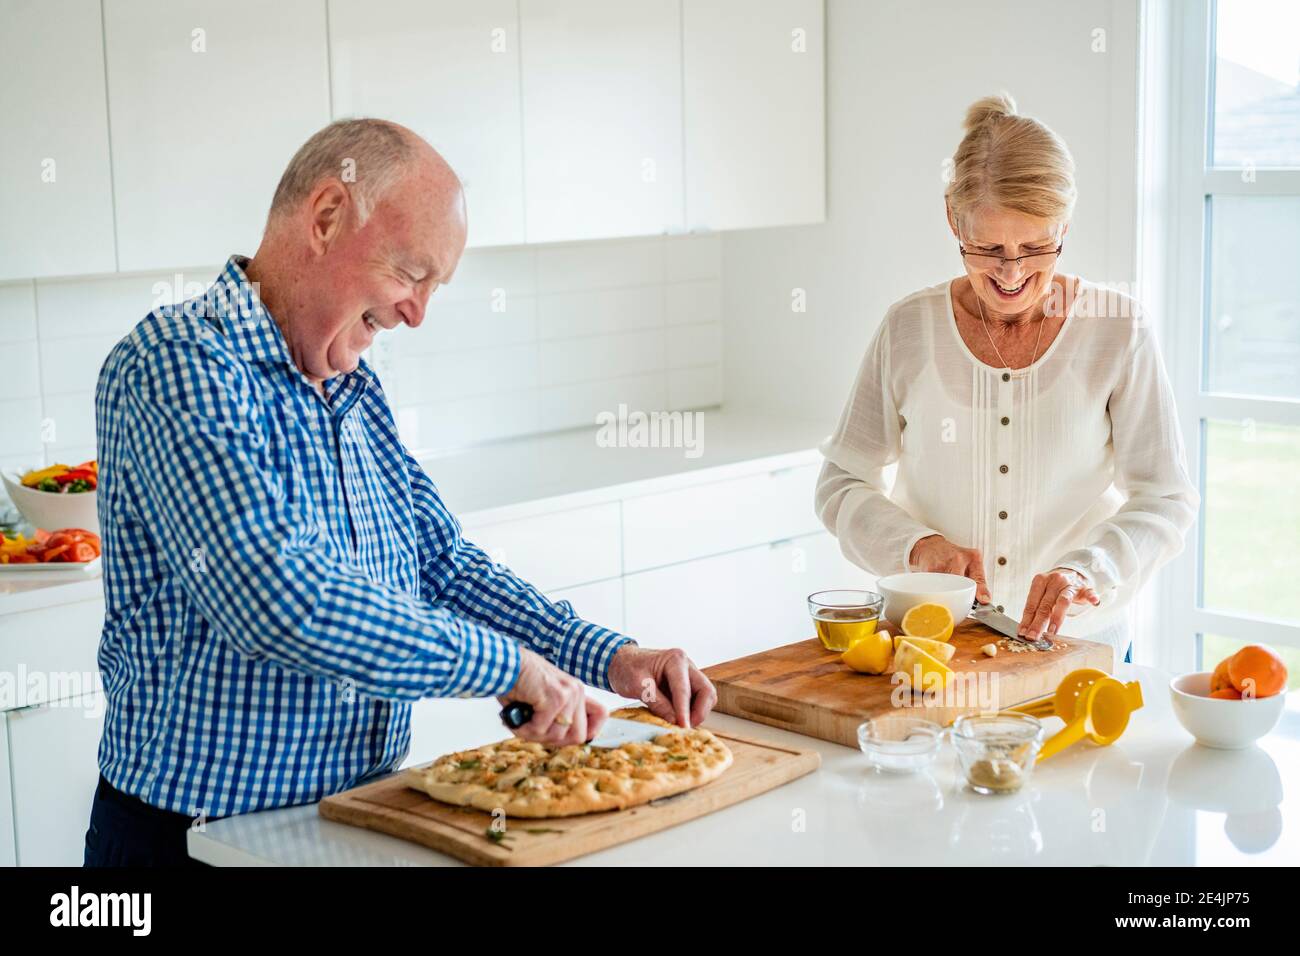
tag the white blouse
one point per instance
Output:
(1075, 461)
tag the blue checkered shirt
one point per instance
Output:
(281, 576)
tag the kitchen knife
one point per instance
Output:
(614, 732)
(989, 616)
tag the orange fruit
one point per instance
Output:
(1226, 693)
(1257, 671)
(1219, 679)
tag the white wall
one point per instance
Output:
(900, 75)
(535, 339)
(523, 340)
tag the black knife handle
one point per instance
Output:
(516, 713)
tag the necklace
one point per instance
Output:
(1037, 339)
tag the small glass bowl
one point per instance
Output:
(899, 744)
(843, 617)
(997, 751)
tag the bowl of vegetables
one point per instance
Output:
(60, 496)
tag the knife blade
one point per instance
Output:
(614, 732)
(990, 616)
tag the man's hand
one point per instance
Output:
(937, 553)
(1050, 596)
(562, 712)
(665, 681)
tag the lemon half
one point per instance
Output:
(933, 621)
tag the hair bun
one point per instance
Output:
(988, 109)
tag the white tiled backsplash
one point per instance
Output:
(524, 340)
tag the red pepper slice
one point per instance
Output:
(69, 476)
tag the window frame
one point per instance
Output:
(1178, 78)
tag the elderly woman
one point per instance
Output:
(1028, 410)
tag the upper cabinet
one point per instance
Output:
(602, 107)
(755, 112)
(566, 119)
(450, 71)
(207, 103)
(56, 207)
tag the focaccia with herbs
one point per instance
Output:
(527, 779)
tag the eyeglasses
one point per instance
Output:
(987, 261)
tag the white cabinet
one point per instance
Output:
(54, 768)
(730, 605)
(56, 212)
(8, 856)
(53, 650)
(449, 70)
(555, 550)
(754, 77)
(207, 103)
(49, 740)
(601, 603)
(602, 118)
(718, 516)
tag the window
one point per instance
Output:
(1232, 288)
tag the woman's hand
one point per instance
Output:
(665, 681)
(937, 553)
(1050, 596)
(563, 714)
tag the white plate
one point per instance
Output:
(64, 566)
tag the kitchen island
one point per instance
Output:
(1153, 798)
(713, 552)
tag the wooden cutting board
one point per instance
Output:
(807, 689)
(389, 806)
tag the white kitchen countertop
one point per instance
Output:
(31, 590)
(502, 479)
(513, 479)
(1153, 798)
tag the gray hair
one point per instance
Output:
(367, 155)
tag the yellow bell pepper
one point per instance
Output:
(34, 478)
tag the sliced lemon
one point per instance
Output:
(937, 649)
(871, 654)
(928, 620)
(915, 667)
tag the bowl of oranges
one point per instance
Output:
(1238, 702)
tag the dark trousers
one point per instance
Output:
(125, 831)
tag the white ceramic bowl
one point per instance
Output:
(53, 512)
(902, 592)
(1224, 724)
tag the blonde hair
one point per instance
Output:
(1010, 161)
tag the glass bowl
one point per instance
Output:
(997, 751)
(843, 617)
(899, 744)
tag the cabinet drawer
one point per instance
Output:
(721, 516)
(730, 605)
(555, 550)
(601, 603)
(52, 797)
(54, 649)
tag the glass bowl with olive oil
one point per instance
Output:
(843, 617)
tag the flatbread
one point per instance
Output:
(527, 779)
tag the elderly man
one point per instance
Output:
(282, 578)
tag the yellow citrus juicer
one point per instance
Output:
(1092, 704)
